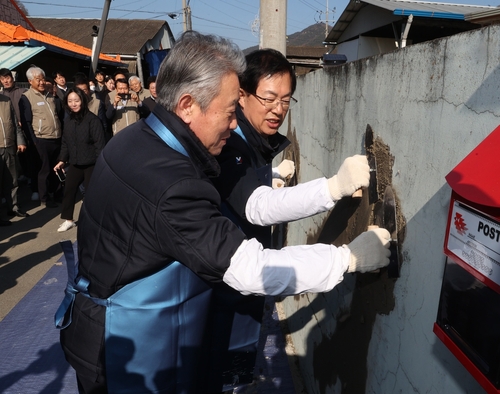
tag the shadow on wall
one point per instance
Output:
(481, 100)
(342, 355)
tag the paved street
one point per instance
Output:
(28, 248)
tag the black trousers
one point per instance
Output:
(8, 176)
(75, 175)
(48, 150)
(89, 386)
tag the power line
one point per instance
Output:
(232, 5)
(324, 6)
(308, 4)
(221, 12)
(219, 23)
(100, 8)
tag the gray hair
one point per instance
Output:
(133, 78)
(32, 72)
(196, 65)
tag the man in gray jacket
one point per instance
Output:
(11, 141)
(41, 119)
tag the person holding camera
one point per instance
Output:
(82, 142)
(126, 107)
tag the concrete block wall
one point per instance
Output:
(431, 104)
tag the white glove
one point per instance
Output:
(278, 183)
(285, 170)
(369, 251)
(354, 173)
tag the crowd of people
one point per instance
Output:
(50, 128)
(174, 235)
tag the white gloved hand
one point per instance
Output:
(369, 251)
(354, 173)
(285, 170)
(278, 183)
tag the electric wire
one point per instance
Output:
(252, 11)
(218, 23)
(100, 8)
(222, 12)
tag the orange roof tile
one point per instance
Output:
(10, 34)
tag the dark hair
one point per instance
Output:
(56, 73)
(100, 72)
(5, 72)
(120, 72)
(150, 80)
(78, 116)
(262, 63)
(81, 79)
(49, 79)
(108, 77)
(121, 80)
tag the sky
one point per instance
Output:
(233, 19)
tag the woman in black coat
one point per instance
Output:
(82, 142)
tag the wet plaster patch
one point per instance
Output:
(340, 357)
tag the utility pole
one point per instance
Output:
(326, 22)
(186, 16)
(273, 25)
(96, 49)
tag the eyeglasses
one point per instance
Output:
(270, 103)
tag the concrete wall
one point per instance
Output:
(431, 103)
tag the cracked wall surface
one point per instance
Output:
(430, 104)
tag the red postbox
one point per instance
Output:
(468, 320)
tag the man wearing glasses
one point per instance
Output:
(252, 192)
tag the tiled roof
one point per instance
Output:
(10, 34)
(10, 14)
(121, 36)
(314, 52)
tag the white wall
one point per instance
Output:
(431, 103)
(371, 46)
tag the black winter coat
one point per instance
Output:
(146, 206)
(82, 141)
(239, 162)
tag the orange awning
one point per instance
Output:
(10, 34)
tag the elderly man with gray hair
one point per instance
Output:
(153, 244)
(41, 118)
(134, 82)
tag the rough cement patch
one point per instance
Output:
(342, 356)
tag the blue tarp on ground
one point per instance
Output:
(32, 360)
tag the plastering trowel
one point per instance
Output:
(385, 217)
(391, 225)
(372, 162)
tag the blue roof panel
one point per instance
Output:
(12, 56)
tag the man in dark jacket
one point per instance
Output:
(246, 184)
(60, 84)
(152, 242)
